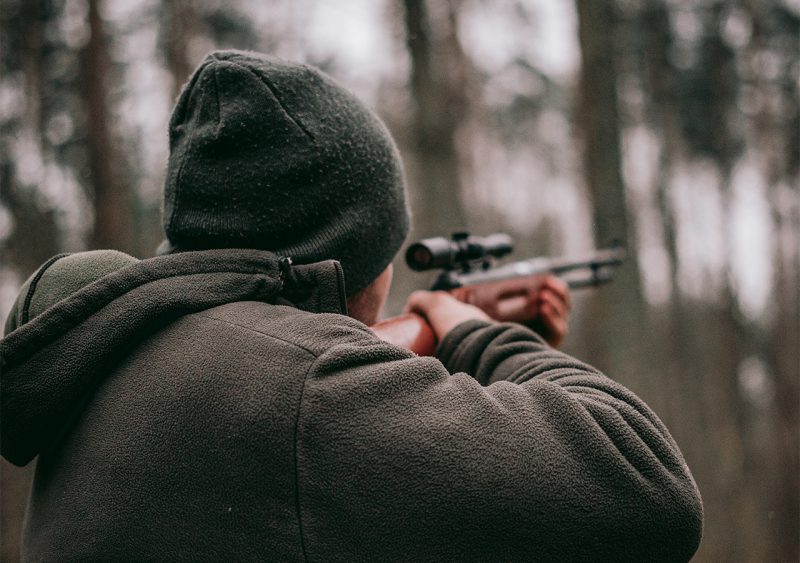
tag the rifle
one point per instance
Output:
(471, 274)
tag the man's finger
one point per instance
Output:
(554, 322)
(559, 287)
(554, 300)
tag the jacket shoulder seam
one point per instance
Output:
(260, 333)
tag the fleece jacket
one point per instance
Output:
(220, 406)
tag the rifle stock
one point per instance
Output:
(409, 331)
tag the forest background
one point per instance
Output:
(670, 125)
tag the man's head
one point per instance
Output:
(273, 155)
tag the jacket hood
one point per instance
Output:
(80, 314)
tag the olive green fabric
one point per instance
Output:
(60, 277)
(273, 155)
(184, 408)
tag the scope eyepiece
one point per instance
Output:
(463, 249)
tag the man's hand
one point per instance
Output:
(543, 306)
(550, 304)
(443, 311)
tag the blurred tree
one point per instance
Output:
(109, 176)
(615, 343)
(691, 64)
(654, 45)
(23, 55)
(439, 88)
(782, 357)
(178, 25)
(775, 65)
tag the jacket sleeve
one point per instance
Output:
(523, 453)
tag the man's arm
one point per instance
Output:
(524, 453)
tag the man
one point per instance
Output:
(216, 403)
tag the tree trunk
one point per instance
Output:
(783, 361)
(111, 194)
(179, 27)
(438, 73)
(615, 339)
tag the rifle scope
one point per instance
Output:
(458, 252)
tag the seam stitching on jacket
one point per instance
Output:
(34, 282)
(250, 329)
(297, 417)
(297, 462)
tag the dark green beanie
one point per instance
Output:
(272, 155)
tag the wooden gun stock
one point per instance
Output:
(409, 331)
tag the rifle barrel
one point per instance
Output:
(599, 265)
